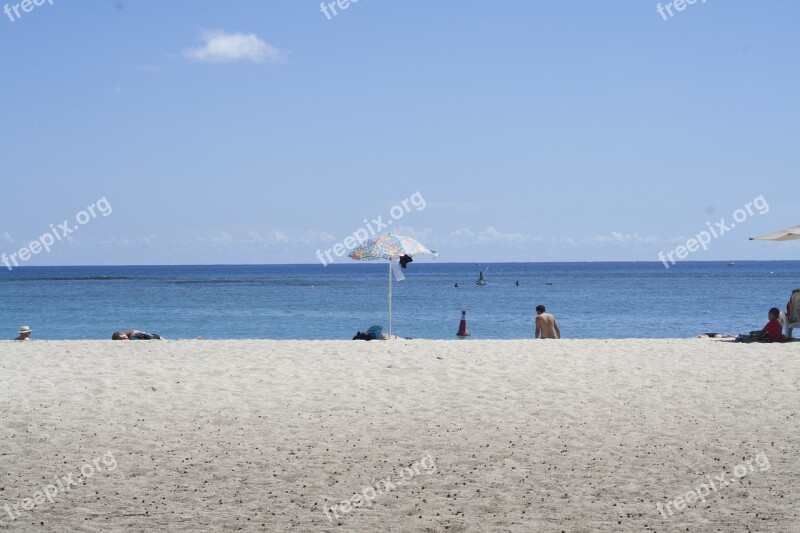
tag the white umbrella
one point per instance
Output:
(788, 234)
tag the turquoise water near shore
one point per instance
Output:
(590, 300)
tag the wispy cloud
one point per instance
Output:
(221, 47)
(422, 235)
(317, 237)
(273, 237)
(125, 241)
(493, 236)
(261, 239)
(489, 236)
(617, 238)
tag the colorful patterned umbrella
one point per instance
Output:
(389, 247)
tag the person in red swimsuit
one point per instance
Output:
(773, 327)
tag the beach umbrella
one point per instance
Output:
(788, 234)
(390, 248)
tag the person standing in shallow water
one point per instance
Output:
(546, 325)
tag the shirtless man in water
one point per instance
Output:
(546, 325)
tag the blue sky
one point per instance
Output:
(260, 132)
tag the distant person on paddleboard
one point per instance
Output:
(546, 325)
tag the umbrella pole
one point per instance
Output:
(390, 298)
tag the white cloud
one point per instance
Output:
(489, 236)
(622, 238)
(221, 47)
(255, 236)
(317, 237)
(222, 238)
(277, 237)
(493, 236)
(421, 235)
(144, 241)
(273, 237)
(462, 233)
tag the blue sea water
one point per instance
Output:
(590, 300)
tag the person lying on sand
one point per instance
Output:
(134, 335)
(546, 325)
(24, 334)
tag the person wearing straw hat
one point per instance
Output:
(24, 334)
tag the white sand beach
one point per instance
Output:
(494, 436)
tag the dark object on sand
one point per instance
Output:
(374, 333)
(754, 336)
(142, 336)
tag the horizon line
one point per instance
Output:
(432, 262)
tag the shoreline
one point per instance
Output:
(350, 341)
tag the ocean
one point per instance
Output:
(589, 300)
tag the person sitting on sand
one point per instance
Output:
(134, 335)
(546, 325)
(24, 334)
(773, 327)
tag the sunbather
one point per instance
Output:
(134, 335)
